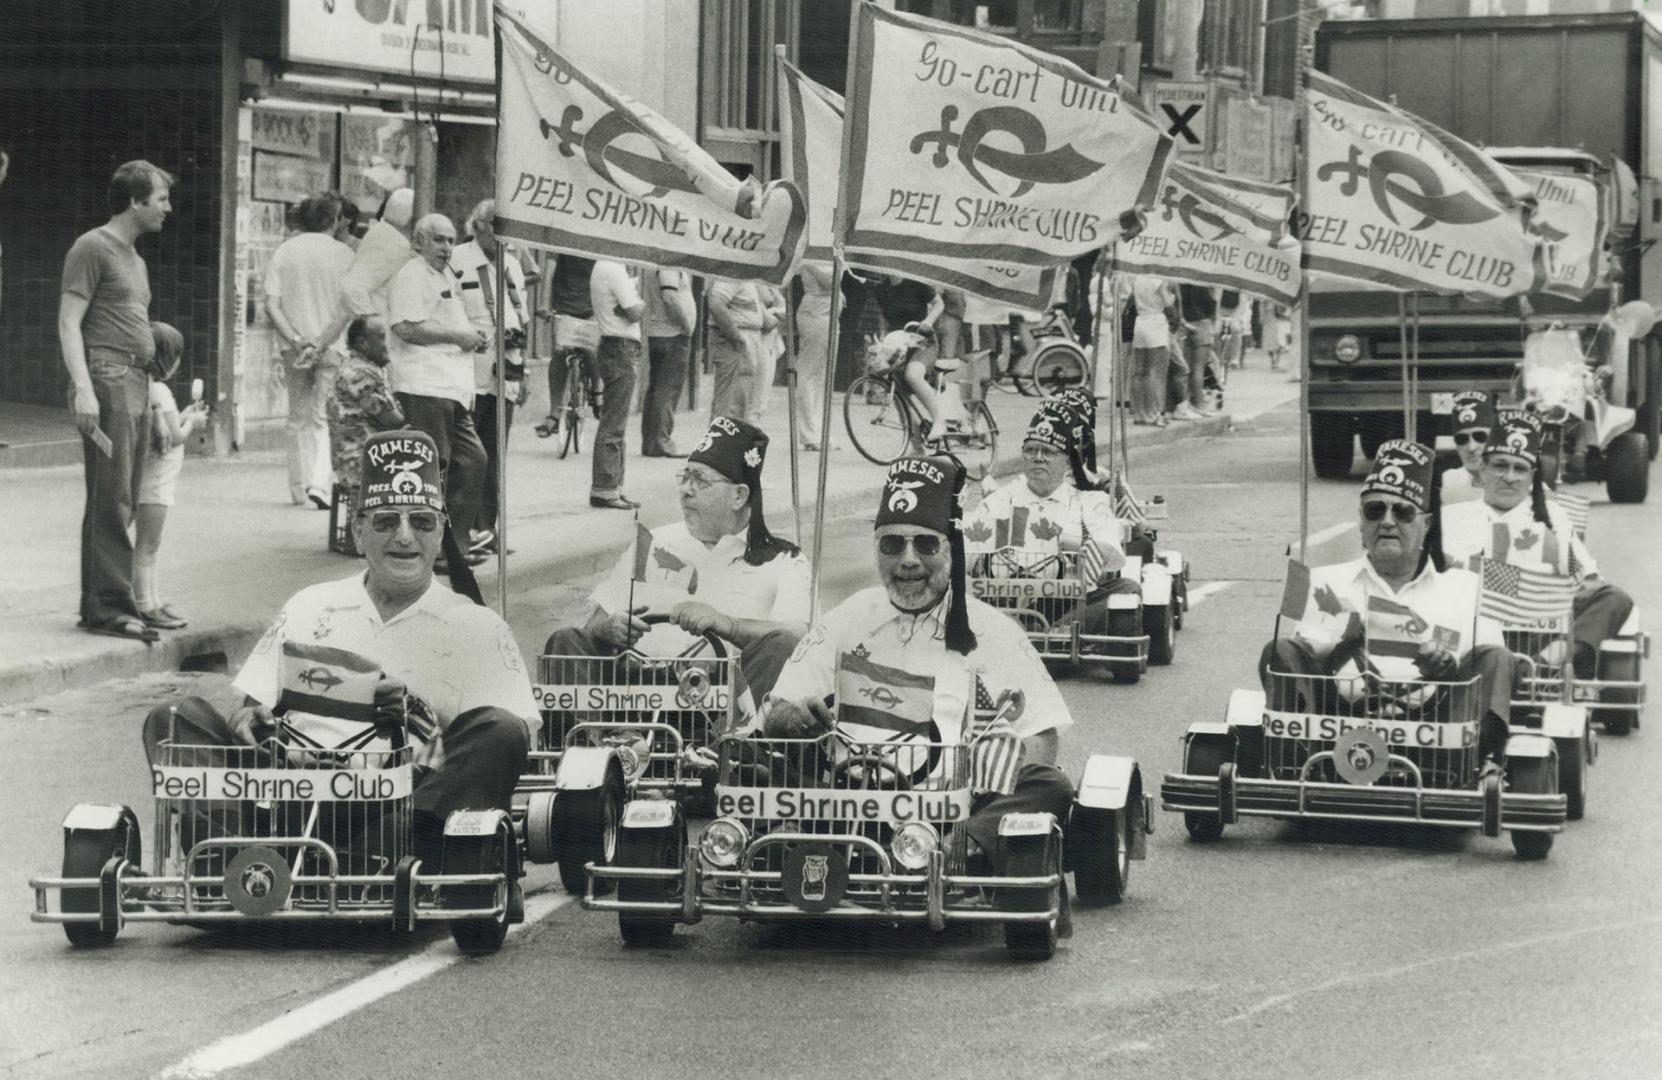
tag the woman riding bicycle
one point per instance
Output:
(910, 353)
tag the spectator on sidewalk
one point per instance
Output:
(1150, 349)
(739, 314)
(670, 317)
(774, 312)
(813, 327)
(104, 333)
(304, 297)
(351, 226)
(1199, 309)
(616, 299)
(382, 252)
(575, 335)
(474, 264)
(169, 430)
(432, 366)
(361, 404)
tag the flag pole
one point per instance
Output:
(501, 433)
(790, 351)
(1301, 149)
(1405, 365)
(1103, 265)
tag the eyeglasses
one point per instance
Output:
(1461, 438)
(1040, 453)
(386, 522)
(1405, 513)
(697, 481)
(924, 544)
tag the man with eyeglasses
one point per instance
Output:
(449, 673)
(919, 633)
(1516, 523)
(717, 570)
(1431, 607)
(1472, 418)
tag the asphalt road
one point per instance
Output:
(1281, 950)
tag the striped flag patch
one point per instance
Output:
(325, 681)
(1394, 629)
(878, 703)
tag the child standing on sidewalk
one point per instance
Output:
(169, 429)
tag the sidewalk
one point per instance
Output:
(235, 549)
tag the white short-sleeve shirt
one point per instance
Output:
(680, 567)
(1469, 529)
(452, 653)
(419, 294)
(610, 287)
(1062, 520)
(306, 276)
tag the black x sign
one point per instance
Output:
(1180, 122)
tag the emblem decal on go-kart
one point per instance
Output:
(1360, 756)
(814, 877)
(257, 881)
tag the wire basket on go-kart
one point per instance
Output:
(1045, 592)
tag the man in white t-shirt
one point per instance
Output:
(303, 296)
(618, 310)
(431, 371)
(1150, 349)
(671, 316)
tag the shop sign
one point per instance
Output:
(287, 131)
(451, 39)
(289, 179)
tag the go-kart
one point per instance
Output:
(287, 830)
(613, 728)
(846, 828)
(1356, 749)
(1586, 436)
(1547, 684)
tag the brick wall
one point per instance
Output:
(84, 86)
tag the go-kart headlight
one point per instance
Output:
(913, 843)
(723, 842)
(1348, 349)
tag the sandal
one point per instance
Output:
(550, 426)
(130, 627)
(163, 619)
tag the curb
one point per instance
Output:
(209, 647)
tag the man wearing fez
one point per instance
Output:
(718, 569)
(1473, 419)
(1515, 512)
(936, 649)
(1397, 615)
(447, 670)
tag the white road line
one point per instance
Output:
(236, 1051)
(1211, 588)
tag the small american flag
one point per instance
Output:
(1091, 563)
(1575, 509)
(995, 749)
(1519, 595)
(1126, 506)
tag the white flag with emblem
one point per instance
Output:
(811, 130)
(965, 144)
(583, 168)
(1569, 219)
(1396, 200)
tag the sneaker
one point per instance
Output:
(1186, 411)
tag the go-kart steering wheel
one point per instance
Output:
(876, 762)
(716, 643)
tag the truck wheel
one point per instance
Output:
(1331, 445)
(1531, 776)
(1627, 468)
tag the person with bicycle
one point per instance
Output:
(717, 570)
(575, 336)
(909, 356)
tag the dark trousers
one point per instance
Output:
(484, 753)
(1038, 788)
(760, 662)
(1092, 615)
(665, 375)
(461, 454)
(1599, 614)
(112, 484)
(559, 366)
(619, 360)
(484, 423)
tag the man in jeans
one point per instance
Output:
(1200, 314)
(104, 332)
(432, 366)
(617, 312)
(670, 317)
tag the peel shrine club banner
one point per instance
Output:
(582, 168)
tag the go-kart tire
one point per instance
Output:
(1627, 468)
(1101, 845)
(1572, 776)
(85, 854)
(479, 855)
(1179, 600)
(1531, 776)
(1030, 856)
(1125, 622)
(1332, 444)
(1622, 667)
(540, 845)
(658, 848)
(1159, 623)
(1204, 757)
(585, 831)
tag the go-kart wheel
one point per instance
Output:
(1204, 757)
(659, 849)
(1030, 856)
(1627, 468)
(86, 852)
(1100, 843)
(585, 831)
(1125, 623)
(1531, 776)
(1179, 599)
(479, 855)
(1572, 775)
(1159, 623)
(1621, 667)
(539, 826)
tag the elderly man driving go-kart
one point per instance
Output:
(1398, 615)
(920, 637)
(390, 647)
(1472, 420)
(716, 570)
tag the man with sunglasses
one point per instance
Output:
(449, 672)
(1516, 523)
(1473, 418)
(919, 635)
(716, 570)
(1433, 633)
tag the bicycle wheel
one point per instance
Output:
(975, 444)
(571, 413)
(1057, 366)
(879, 425)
